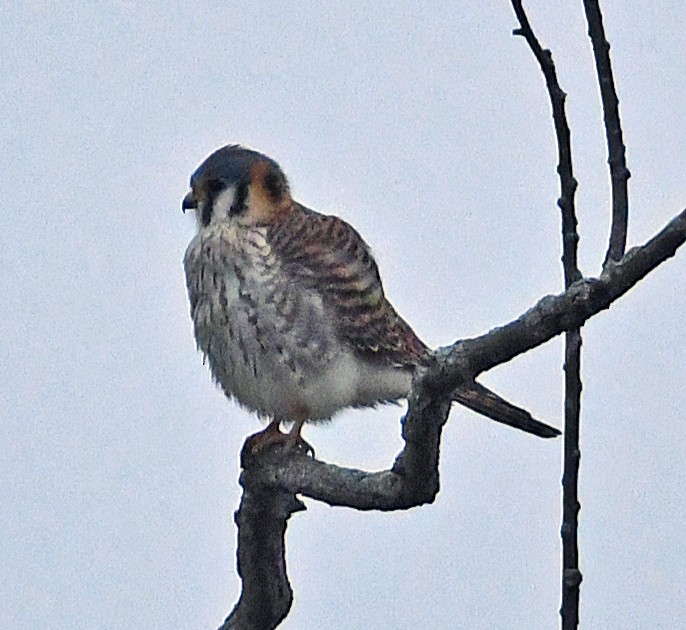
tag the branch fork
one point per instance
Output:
(275, 478)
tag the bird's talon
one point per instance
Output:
(307, 447)
(270, 436)
(295, 442)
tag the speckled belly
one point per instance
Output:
(270, 343)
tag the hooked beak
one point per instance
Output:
(189, 202)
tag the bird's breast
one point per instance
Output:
(269, 340)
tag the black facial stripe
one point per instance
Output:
(213, 187)
(206, 214)
(241, 197)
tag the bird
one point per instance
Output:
(289, 309)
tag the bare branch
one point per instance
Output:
(277, 475)
(568, 183)
(553, 315)
(261, 519)
(273, 478)
(619, 173)
(412, 481)
(571, 575)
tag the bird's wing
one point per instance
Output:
(328, 256)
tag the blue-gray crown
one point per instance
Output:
(230, 164)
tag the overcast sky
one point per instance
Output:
(428, 128)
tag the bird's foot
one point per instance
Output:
(269, 436)
(297, 442)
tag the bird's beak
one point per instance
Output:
(189, 202)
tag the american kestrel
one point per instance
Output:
(289, 309)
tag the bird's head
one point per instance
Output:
(237, 184)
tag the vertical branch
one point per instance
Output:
(571, 576)
(261, 519)
(568, 183)
(619, 173)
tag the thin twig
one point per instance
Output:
(619, 173)
(571, 575)
(568, 183)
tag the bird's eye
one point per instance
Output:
(214, 186)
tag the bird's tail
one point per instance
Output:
(482, 400)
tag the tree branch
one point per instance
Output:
(619, 173)
(568, 183)
(273, 477)
(555, 314)
(571, 575)
(261, 519)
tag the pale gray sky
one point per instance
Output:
(428, 128)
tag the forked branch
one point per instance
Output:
(275, 477)
(571, 575)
